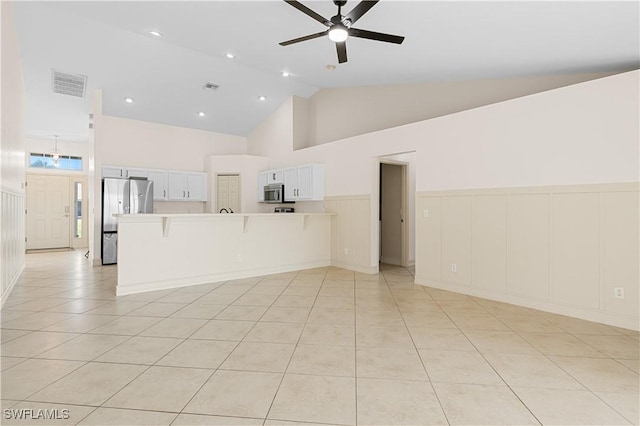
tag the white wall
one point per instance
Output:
(12, 203)
(336, 114)
(274, 136)
(581, 134)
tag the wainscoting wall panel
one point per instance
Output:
(489, 242)
(351, 235)
(562, 249)
(12, 235)
(528, 245)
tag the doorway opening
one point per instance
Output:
(228, 193)
(392, 213)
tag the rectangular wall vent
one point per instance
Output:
(211, 86)
(68, 84)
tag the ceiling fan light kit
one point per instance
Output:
(340, 27)
(338, 33)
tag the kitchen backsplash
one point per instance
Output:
(178, 207)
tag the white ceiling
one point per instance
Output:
(448, 40)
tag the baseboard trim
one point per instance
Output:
(12, 284)
(608, 318)
(126, 289)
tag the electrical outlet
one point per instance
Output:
(618, 292)
(346, 250)
(454, 267)
(425, 213)
(239, 258)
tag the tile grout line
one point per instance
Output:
(266, 417)
(424, 367)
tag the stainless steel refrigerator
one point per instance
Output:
(121, 196)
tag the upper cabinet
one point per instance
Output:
(122, 172)
(160, 180)
(275, 176)
(187, 186)
(306, 182)
(301, 183)
(167, 185)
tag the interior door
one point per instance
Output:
(48, 211)
(228, 193)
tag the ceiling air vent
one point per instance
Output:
(210, 86)
(68, 84)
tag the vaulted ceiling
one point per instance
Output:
(109, 43)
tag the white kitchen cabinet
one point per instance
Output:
(275, 176)
(304, 183)
(197, 186)
(122, 172)
(160, 180)
(290, 184)
(187, 186)
(262, 182)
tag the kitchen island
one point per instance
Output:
(162, 251)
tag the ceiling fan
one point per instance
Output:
(340, 27)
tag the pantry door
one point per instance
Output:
(228, 193)
(48, 212)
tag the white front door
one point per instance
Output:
(48, 211)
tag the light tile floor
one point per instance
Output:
(321, 346)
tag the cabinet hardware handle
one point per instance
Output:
(188, 194)
(164, 193)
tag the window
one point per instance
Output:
(45, 161)
(77, 210)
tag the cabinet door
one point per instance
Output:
(197, 186)
(177, 186)
(262, 182)
(160, 184)
(305, 182)
(275, 176)
(112, 172)
(131, 172)
(291, 184)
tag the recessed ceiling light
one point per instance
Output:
(285, 74)
(230, 55)
(201, 114)
(263, 98)
(128, 100)
(156, 33)
(331, 67)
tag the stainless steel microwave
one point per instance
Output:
(274, 194)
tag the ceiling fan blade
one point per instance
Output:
(360, 9)
(304, 9)
(341, 47)
(305, 38)
(372, 35)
